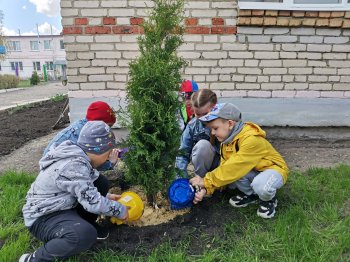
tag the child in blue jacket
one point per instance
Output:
(196, 143)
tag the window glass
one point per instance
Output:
(49, 65)
(47, 44)
(61, 44)
(34, 45)
(36, 66)
(16, 64)
(15, 45)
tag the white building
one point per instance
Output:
(26, 54)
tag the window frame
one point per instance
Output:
(50, 46)
(32, 41)
(289, 5)
(35, 65)
(61, 45)
(49, 65)
(13, 46)
(13, 65)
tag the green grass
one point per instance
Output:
(58, 97)
(24, 83)
(312, 224)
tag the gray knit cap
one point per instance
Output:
(96, 137)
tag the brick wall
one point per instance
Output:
(237, 61)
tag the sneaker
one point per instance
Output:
(267, 209)
(102, 232)
(243, 200)
(25, 258)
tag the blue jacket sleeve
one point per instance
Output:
(185, 151)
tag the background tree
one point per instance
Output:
(152, 94)
(2, 37)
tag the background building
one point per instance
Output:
(281, 61)
(25, 54)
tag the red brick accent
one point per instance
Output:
(72, 30)
(80, 21)
(298, 13)
(284, 13)
(197, 30)
(136, 21)
(127, 29)
(224, 30)
(217, 21)
(337, 14)
(191, 21)
(109, 21)
(285, 18)
(258, 13)
(98, 30)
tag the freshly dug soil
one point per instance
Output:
(23, 124)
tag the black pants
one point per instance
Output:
(67, 233)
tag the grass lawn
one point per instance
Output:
(312, 224)
(24, 83)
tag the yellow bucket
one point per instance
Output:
(135, 203)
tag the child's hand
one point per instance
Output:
(199, 196)
(125, 216)
(113, 156)
(197, 181)
(113, 197)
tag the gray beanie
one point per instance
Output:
(96, 137)
(225, 111)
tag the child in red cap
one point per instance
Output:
(98, 110)
(187, 89)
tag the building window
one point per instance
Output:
(34, 45)
(15, 65)
(47, 44)
(49, 65)
(14, 45)
(303, 5)
(62, 44)
(36, 66)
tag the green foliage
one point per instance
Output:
(153, 101)
(58, 97)
(34, 80)
(8, 81)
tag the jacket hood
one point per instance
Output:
(62, 151)
(250, 129)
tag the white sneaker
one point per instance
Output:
(25, 258)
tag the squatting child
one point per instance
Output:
(97, 110)
(65, 199)
(247, 159)
(196, 142)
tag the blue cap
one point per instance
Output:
(181, 193)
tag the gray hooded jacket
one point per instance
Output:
(66, 178)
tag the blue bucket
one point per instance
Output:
(181, 193)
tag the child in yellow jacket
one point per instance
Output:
(247, 159)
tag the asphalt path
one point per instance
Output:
(21, 96)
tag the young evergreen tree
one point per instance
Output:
(152, 94)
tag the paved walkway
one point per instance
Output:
(20, 96)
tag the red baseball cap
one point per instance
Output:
(189, 87)
(100, 110)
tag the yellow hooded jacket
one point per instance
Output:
(248, 150)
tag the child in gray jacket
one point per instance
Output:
(64, 201)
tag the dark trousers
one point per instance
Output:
(68, 232)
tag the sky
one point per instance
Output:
(26, 16)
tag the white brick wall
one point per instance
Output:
(255, 62)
